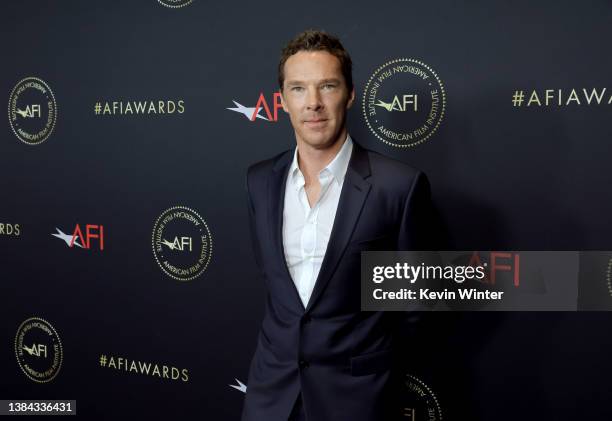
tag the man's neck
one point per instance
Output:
(312, 160)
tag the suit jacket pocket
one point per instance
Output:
(371, 362)
(382, 242)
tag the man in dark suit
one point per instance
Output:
(313, 210)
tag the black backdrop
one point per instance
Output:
(503, 177)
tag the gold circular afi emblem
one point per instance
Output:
(38, 349)
(182, 243)
(420, 403)
(32, 110)
(404, 102)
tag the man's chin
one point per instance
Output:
(320, 142)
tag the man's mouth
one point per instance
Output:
(315, 122)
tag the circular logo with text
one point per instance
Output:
(38, 349)
(182, 244)
(32, 110)
(175, 4)
(404, 102)
(420, 403)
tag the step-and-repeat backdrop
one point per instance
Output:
(127, 278)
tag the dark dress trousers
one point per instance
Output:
(333, 355)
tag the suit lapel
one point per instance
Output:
(355, 189)
(276, 202)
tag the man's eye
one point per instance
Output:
(297, 89)
(329, 86)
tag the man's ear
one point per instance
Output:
(283, 102)
(351, 99)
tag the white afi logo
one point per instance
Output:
(178, 244)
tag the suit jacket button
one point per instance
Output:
(303, 364)
(307, 319)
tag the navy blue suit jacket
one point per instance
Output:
(337, 356)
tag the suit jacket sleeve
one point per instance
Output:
(417, 231)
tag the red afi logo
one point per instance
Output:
(500, 262)
(252, 113)
(91, 232)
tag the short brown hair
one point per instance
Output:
(317, 40)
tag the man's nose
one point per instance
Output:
(313, 99)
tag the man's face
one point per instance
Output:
(316, 97)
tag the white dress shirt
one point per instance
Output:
(306, 230)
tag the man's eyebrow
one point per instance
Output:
(294, 82)
(300, 82)
(332, 80)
